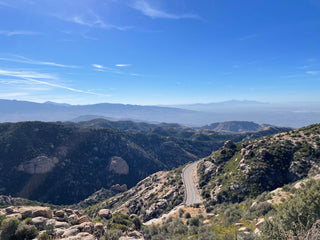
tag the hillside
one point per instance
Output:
(76, 160)
(254, 189)
(55, 163)
(246, 169)
(234, 126)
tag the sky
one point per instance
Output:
(159, 52)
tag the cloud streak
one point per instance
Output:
(92, 20)
(20, 59)
(102, 68)
(146, 9)
(313, 72)
(18, 32)
(42, 79)
(122, 65)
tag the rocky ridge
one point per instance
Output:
(251, 167)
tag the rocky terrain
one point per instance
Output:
(150, 198)
(64, 163)
(251, 167)
(266, 188)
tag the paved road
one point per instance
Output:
(192, 194)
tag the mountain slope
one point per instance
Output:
(63, 164)
(248, 168)
(234, 126)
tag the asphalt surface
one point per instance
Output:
(192, 193)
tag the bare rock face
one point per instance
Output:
(208, 167)
(30, 211)
(40, 164)
(98, 230)
(118, 165)
(39, 222)
(83, 219)
(70, 232)
(73, 219)
(105, 213)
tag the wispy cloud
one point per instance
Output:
(102, 68)
(13, 94)
(122, 65)
(26, 74)
(92, 20)
(313, 72)
(18, 32)
(42, 79)
(98, 66)
(21, 59)
(151, 11)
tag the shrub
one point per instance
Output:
(25, 232)
(9, 227)
(113, 234)
(187, 215)
(297, 215)
(43, 236)
(2, 217)
(194, 221)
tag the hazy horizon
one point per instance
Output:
(159, 52)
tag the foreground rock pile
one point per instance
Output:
(65, 224)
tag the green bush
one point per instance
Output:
(2, 218)
(8, 228)
(113, 234)
(44, 236)
(25, 232)
(296, 215)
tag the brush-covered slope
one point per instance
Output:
(61, 164)
(234, 126)
(157, 194)
(248, 168)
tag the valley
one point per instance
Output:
(232, 192)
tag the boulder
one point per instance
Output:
(58, 232)
(105, 213)
(81, 236)
(10, 210)
(98, 230)
(69, 211)
(29, 211)
(70, 232)
(83, 219)
(86, 227)
(62, 224)
(42, 212)
(14, 215)
(39, 222)
(59, 214)
(73, 219)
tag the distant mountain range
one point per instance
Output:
(290, 115)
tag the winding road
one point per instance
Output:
(188, 176)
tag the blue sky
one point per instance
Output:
(159, 51)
